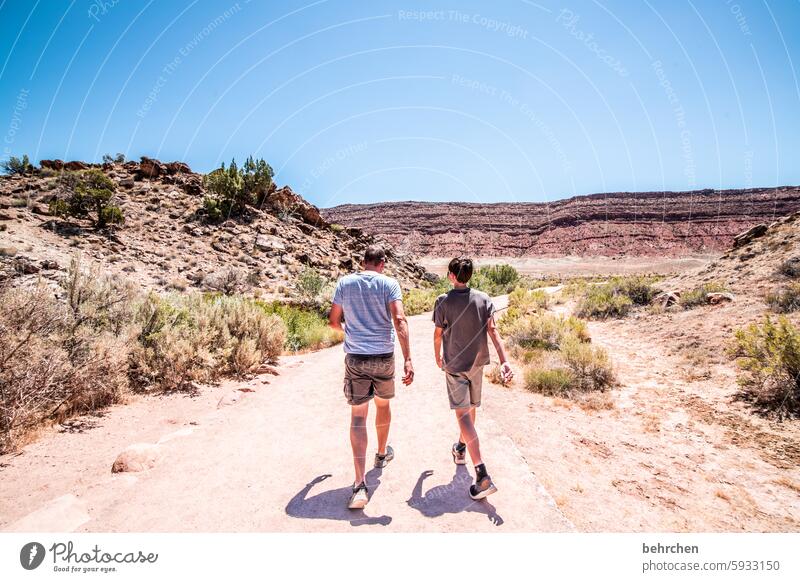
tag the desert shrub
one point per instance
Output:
(196, 338)
(543, 331)
(790, 267)
(699, 295)
(522, 302)
(337, 228)
(117, 159)
(228, 281)
(769, 357)
(550, 382)
(14, 165)
(785, 299)
(305, 328)
(590, 365)
(495, 279)
(84, 192)
(59, 358)
(614, 298)
(310, 284)
(257, 179)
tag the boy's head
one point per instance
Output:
(460, 270)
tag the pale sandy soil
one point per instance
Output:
(581, 266)
(675, 452)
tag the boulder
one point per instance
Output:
(749, 235)
(138, 457)
(667, 298)
(716, 298)
(75, 166)
(48, 265)
(286, 201)
(52, 164)
(150, 168)
(270, 244)
(126, 182)
(177, 168)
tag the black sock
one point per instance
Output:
(480, 472)
(461, 447)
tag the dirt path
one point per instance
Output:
(278, 459)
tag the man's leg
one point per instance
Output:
(358, 438)
(383, 419)
(466, 422)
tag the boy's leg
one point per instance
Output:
(461, 437)
(358, 438)
(469, 435)
(383, 420)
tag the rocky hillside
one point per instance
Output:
(664, 224)
(166, 241)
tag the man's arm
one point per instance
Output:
(401, 325)
(335, 317)
(505, 368)
(438, 332)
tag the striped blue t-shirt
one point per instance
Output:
(365, 299)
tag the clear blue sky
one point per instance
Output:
(445, 100)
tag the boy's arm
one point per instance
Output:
(505, 368)
(437, 346)
(401, 325)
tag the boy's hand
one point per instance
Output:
(439, 362)
(506, 373)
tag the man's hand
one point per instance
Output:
(408, 372)
(506, 373)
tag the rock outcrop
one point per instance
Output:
(665, 224)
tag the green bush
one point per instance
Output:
(81, 193)
(233, 189)
(785, 299)
(305, 328)
(550, 382)
(543, 331)
(310, 284)
(109, 159)
(422, 299)
(699, 295)
(14, 165)
(614, 298)
(495, 279)
(769, 355)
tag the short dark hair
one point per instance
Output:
(461, 267)
(374, 254)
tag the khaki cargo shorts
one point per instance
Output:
(464, 388)
(366, 376)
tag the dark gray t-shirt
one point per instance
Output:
(464, 315)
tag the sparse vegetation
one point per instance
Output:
(118, 159)
(769, 356)
(614, 298)
(543, 331)
(81, 193)
(785, 299)
(422, 299)
(228, 282)
(699, 295)
(310, 284)
(14, 165)
(102, 338)
(305, 328)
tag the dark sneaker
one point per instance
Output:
(382, 460)
(359, 498)
(482, 488)
(459, 455)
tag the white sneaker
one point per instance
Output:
(359, 498)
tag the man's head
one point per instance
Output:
(374, 258)
(460, 270)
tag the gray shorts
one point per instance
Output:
(464, 388)
(366, 376)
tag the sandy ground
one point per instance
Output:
(277, 460)
(671, 452)
(581, 266)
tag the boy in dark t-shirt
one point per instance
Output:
(464, 318)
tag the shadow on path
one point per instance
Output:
(450, 498)
(333, 504)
